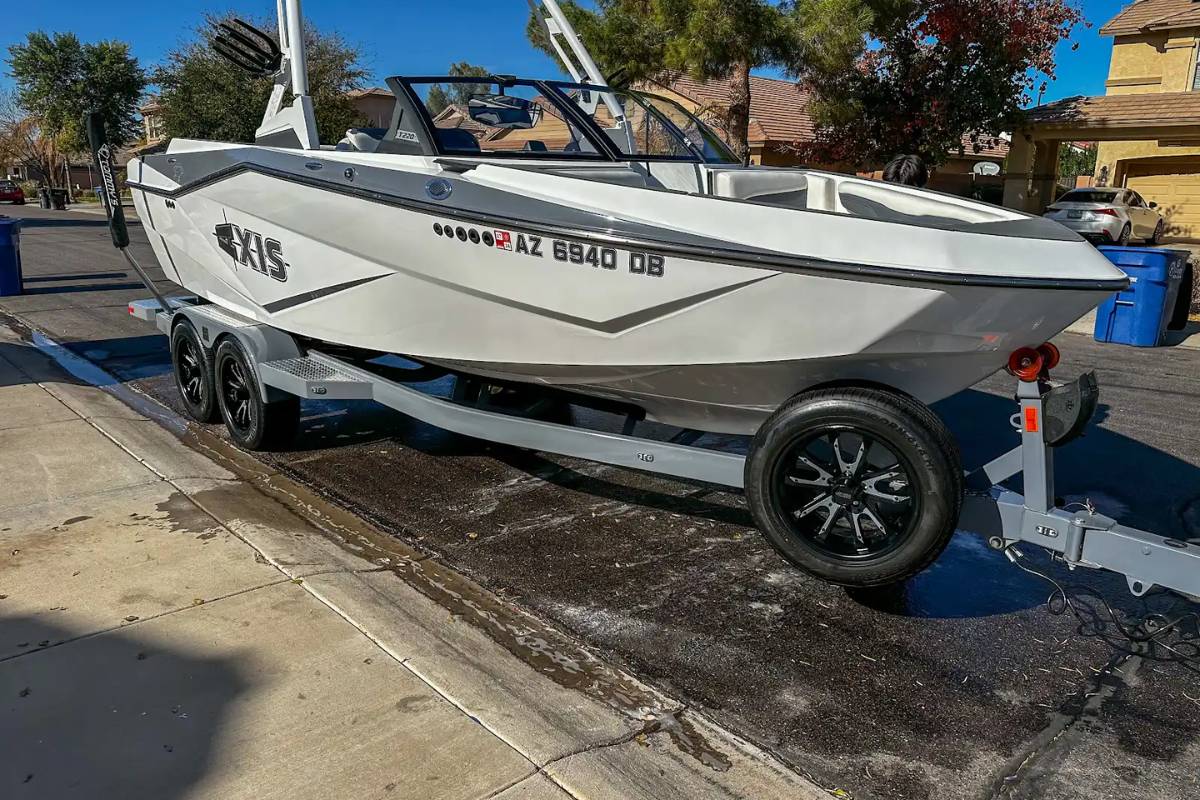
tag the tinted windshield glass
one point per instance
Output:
(1088, 196)
(641, 126)
(700, 135)
(513, 118)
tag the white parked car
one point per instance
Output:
(1108, 216)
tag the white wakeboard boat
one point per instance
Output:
(601, 241)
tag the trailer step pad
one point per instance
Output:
(149, 309)
(308, 376)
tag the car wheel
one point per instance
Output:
(1126, 232)
(1156, 237)
(858, 487)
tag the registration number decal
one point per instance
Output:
(565, 251)
(589, 255)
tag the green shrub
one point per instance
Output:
(30, 188)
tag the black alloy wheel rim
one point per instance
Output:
(845, 493)
(236, 391)
(189, 372)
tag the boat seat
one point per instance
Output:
(777, 188)
(888, 204)
(457, 139)
(372, 140)
(364, 140)
(621, 176)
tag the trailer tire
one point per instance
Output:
(192, 365)
(858, 487)
(252, 423)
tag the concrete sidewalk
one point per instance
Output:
(177, 621)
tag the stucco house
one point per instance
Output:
(1147, 123)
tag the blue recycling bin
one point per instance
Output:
(1139, 315)
(10, 256)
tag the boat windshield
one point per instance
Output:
(502, 116)
(485, 116)
(647, 126)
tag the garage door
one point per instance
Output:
(1176, 189)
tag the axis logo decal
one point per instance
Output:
(252, 250)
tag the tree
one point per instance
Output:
(937, 70)
(22, 141)
(636, 40)
(443, 95)
(59, 79)
(203, 96)
(1075, 160)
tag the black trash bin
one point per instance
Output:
(58, 198)
(43, 197)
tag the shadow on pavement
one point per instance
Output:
(73, 222)
(76, 276)
(117, 715)
(81, 287)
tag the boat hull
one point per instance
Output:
(693, 337)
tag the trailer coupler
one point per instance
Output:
(1050, 416)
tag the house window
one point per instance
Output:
(1196, 77)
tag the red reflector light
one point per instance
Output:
(1050, 355)
(131, 309)
(1031, 420)
(1025, 363)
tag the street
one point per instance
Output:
(958, 685)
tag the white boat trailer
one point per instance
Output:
(1080, 538)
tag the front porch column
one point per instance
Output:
(1017, 171)
(1044, 181)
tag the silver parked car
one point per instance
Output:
(1108, 216)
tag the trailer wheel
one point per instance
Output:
(193, 368)
(252, 423)
(859, 487)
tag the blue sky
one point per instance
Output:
(416, 38)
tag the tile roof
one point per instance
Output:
(778, 109)
(1147, 15)
(455, 116)
(986, 146)
(372, 91)
(1121, 110)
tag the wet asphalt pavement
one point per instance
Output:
(958, 685)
